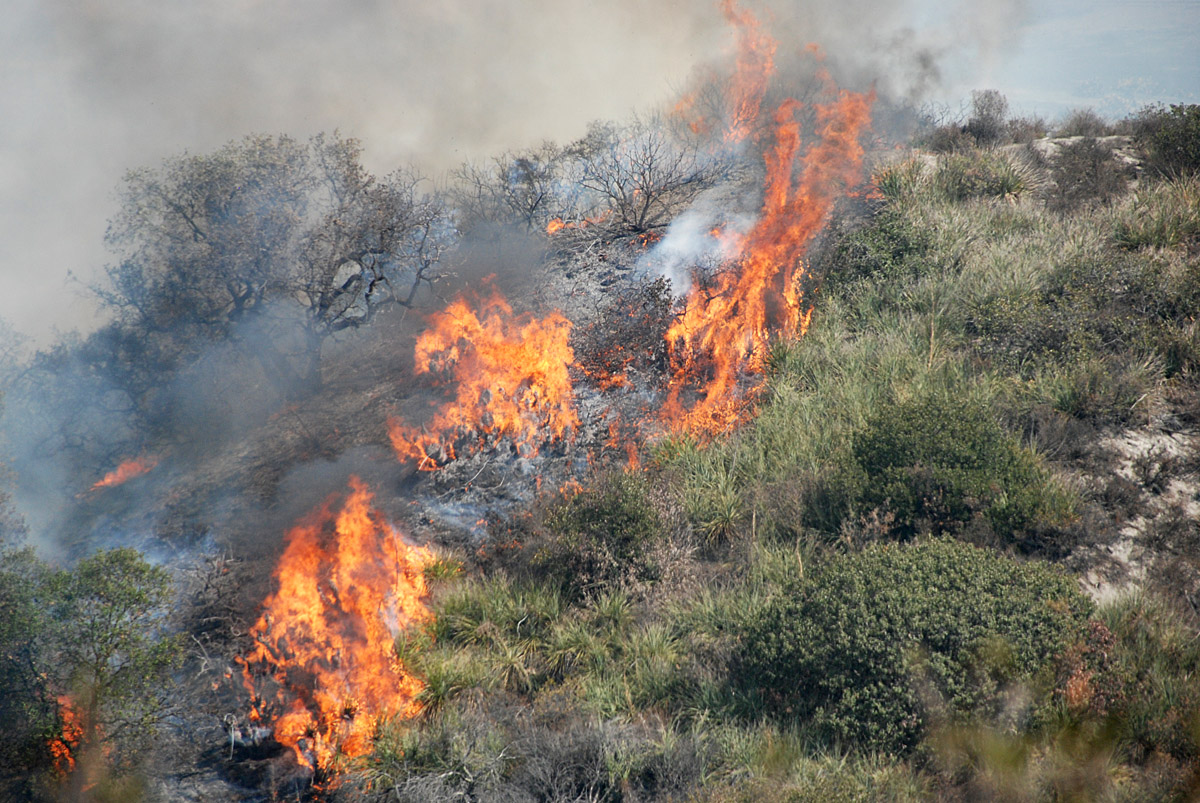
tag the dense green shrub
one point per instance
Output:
(1170, 137)
(940, 463)
(871, 644)
(888, 248)
(603, 536)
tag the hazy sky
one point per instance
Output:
(91, 88)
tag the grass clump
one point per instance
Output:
(1166, 215)
(981, 174)
(870, 646)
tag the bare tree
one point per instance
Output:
(640, 175)
(525, 189)
(271, 232)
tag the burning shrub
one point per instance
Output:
(937, 463)
(863, 647)
(324, 638)
(629, 334)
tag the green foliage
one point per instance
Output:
(887, 249)
(93, 640)
(1171, 137)
(869, 645)
(1166, 215)
(27, 706)
(1141, 672)
(936, 463)
(113, 653)
(603, 537)
(981, 174)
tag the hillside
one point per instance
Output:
(736, 453)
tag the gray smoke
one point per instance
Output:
(92, 89)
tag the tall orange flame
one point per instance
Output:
(755, 66)
(724, 331)
(511, 376)
(347, 583)
(125, 471)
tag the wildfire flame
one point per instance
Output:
(127, 470)
(558, 224)
(64, 746)
(347, 583)
(755, 66)
(724, 330)
(511, 378)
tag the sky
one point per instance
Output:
(92, 88)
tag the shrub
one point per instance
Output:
(603, 536)
(1085, 171)
(1024, 130)
(870, 643)
(940, 463)
(980, 174)
(949, 139)
(1164, 216)
(1170, 137)
(989, 110)
(888, 248)
(1083, 123)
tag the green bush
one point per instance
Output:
(1170, 137)
(981, 174)
(939, 463)
(889, 248)
(602, 537)
(871, 644)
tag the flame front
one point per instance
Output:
(347, 583)
(724, 331)
(127, 470)
(511, 378)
